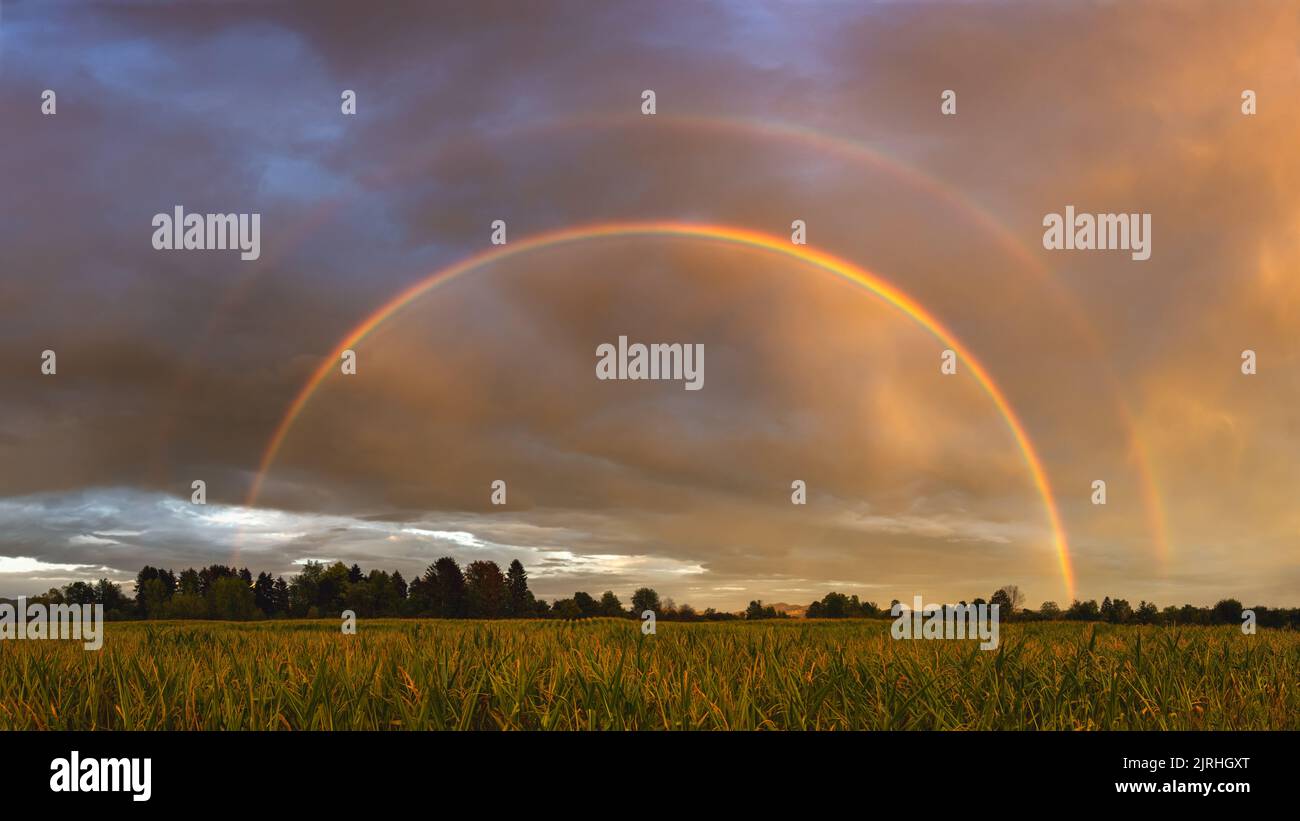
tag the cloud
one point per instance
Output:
(179, 366)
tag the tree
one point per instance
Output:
(834, 606)
(304, 589)
(1083, 611)
(399, 584)
(1050, 610)
(644, 599)
(231, 599)
(424, 595)
(382, 595)
(1226, 611)
(264, 593)
(566, 609)
(1146, 613)
(355, 573)
(520, 597)
(52, 596)
(838, 606)
(209, 575)
(586, 605)
(110, 595)
(420, 596)
(280, 596)
(449, 593)
(486, 591)
(610, 605)
(1011, 599)
(146, 573)
(186, 606)
(331, 589)
(188, 582)
(150, 598)
(360, 597)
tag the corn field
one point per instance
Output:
(604, 674)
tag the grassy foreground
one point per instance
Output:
(604, 674)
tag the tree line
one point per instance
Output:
(478, 591)
(482, 591)
(1114, 611)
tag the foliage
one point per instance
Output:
(839, 606)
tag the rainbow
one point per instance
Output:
(709, 233)
(820, 142)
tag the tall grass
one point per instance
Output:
(604, 674)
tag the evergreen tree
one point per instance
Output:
(264, 593)
(449, 588)
(188, 583)
(280, 597)
(521, 603)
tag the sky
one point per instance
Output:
(175, 366)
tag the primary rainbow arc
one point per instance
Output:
(710, 233)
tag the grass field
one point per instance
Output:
(604, 674)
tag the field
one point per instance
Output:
(603, 674)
